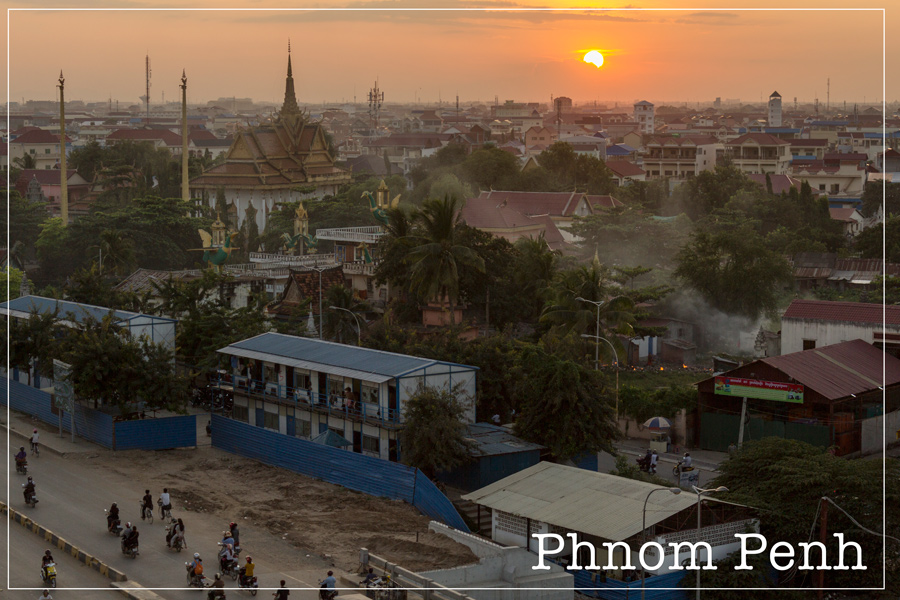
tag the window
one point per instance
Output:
(368, 394)
(302, 428)
(271, 375)
(809, 344)
(46, 150)
(240, 413)
(31, 151)
(371, 444)
(835, 188)
(270, 421)
(821, 187)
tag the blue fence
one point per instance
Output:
(365, 474)
(619, 590)
(157, 434)
(98, 427)
(89, 424)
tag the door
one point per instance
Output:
(357, 441)
(393, 451)
(323, 388)
(291, 425)
(393, 404)
(260, 416)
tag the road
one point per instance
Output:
(25, 565)
(72, 497)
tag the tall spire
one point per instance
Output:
(290, 98)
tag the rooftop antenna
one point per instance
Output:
(146, 98)
(376, 98)
(828, 96)
(457, 110)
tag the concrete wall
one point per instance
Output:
(878, 432)
(506, 571)
(637, 430)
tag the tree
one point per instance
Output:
(34, 339)
(89, 286)
(434, 435)
(785, 480)
(436, 259)
(10, 279)
(534, 269)
(713, 189)
(26, 217)
(116, 251)
(869, 242)
(878, 193)
(579, 171)
(343, 314)
(491, 168)
(563, 405)
(734, 271)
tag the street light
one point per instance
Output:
(319, 269)
(355, 318)
(673, 490)
(700, 493)
(597, 339)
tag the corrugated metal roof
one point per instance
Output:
(839, 370)
(73, 311)
(844, 312)
(607, 506)
(330, 357)
(493, 440)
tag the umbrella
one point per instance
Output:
(658, 423)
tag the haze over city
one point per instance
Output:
(427, 56)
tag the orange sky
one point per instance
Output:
(650, 54)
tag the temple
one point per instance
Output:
(267, 164)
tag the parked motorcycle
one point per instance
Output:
(48, 574)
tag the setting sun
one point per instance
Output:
(594, 57)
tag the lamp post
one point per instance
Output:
(319, 269)
(597, 365)
(673, 490)
(700, 493)
(355, 318)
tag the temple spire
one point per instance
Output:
(290, 98)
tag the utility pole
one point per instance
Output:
(63, 184)
(147, 97)
(743, 421)
(185, 192)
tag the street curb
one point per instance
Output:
(63, 545)
(134, 590)
(43, 447)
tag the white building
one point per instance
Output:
(644, 115)
(774, 119)
(808, 324)
(296, 386)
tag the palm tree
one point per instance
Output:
(343, 314)
(116, 250)
(535, 270)
(437, 256)
(595, 284)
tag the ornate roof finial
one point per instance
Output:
(290, 99)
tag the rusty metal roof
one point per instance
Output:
(839, 370)
(844, 312)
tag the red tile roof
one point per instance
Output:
(836, 371)
(38, 136)
(484, 213)
(763, 139)
(846, 157)
(557, 204)
(842, 214)
(843, 312)
(780, 183)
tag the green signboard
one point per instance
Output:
(63, 395)
(755, 388)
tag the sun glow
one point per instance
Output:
(594, 57)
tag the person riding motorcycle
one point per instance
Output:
(177, 532)
(197, 565)
(127, 530)
(327, 591)
(113, 516)
(686, 462)
(21, 457)
(218, 588)
(246, 571)
(46, 561)
(226, 555)
(371, 578)
(130, 539)
(45, 596)
(235, 534)
(29, 489)
(146, 505)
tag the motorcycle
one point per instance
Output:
(326, 593)
(116, 528)
(645, 465)
(248, 583)
(30, 499)
(231, 567)
(677, 469)
(177, 543)
(131, 551)
(193, 579)
(22, 467)
(48, 574)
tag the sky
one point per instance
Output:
(505, 52)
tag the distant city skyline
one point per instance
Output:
(421, 56)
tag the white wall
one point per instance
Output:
(826, 333)
(878, 432)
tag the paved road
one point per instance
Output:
(25, 565)
(72, 499)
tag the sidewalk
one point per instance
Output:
(707, 460)
(21, 425)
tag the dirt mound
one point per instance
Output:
(420, 553)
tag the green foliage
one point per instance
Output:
(491, 168)
(878, 193)
(33, 338)
(534, 269)
(10, 279)
(870, 244)
(89, 286)
(125, 170)
(564, 405)
(434, 436)
(630, 470)
(648, 195)
(27, 218)
(54, 249)
(725, 576)
(734, 271)
(344, 315)
(785, 479)
(569, 170)
(641, 404)
(713, 189)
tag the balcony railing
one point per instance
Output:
(331, 404)
(369, 234)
